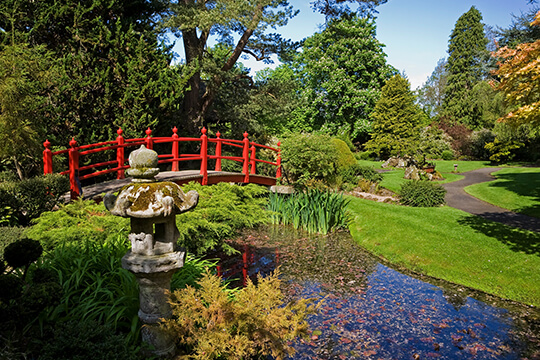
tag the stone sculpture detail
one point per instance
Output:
(152, 207)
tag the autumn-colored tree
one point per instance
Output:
(519, 73)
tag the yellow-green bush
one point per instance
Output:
(212, 323)
(345, 155)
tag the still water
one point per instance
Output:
(372, 311)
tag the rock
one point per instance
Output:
(412, 173)
(392, 162)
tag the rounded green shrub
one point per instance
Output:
(22, 252)
(447, 155)
(422, 194)
(345, 155)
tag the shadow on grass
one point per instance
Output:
(522, 184)
(516, 239)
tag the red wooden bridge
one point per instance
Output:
(247, 157)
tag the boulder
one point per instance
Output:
(392, 162)
(411, 173)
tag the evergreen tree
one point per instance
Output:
(465, 67)
(431, 95)
(396, 120)
(342, 70)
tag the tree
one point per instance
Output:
(241, 26)
(396, 120)
(114, 72)
(519, 74)
(342, 70)
(333, 9)
(520, 31)
(431, 95)
(26, 74)
(467, 54)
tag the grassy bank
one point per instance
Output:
(516, 189)
(452, 245)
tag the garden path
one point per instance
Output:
(456, 197)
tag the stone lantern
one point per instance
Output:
(154, 257)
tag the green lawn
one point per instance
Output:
(516, 189)
(452, 245)
(443, 166)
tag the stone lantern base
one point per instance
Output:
(154, 275)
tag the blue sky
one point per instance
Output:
(415, 32)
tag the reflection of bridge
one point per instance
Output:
(247, 156)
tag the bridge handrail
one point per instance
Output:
(248, 157)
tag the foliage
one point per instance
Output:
(477, 143)
(195, 23)
(308, 156)
(395, 120)
(253, 322)
(26, 75)
(223, 209)
(422, 194)
(337, 8)
(342, 70)
(29, 198)
(520, 31)
(9, 235)
(459, 135)
(519, 73)
(352, 173)
(467, 52)
(447, 155)
(81, 220)
(315, 211)
(22, 253)
(433, 142)
(502, 151)
(430, 96)
(81, 340)
(345, 156)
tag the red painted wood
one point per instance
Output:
(47, 158)
(248, 158)
(120, 158)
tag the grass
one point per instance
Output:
(449, 244)
(516, 189)
(443, 166)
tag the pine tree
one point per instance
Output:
(396, 120)
(467, 53)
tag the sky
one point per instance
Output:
(415, 32)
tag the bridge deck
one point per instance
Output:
(179, 177)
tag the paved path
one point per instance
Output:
(457, 198)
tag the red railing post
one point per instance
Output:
(175, 149)
(252, 162)
(204, 157)
(245, 156)
(149, 142)
(74, 184)
(218, 152)
(278, 161)
(47, 158)
(120, 159)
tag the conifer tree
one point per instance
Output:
(467, 53)
(396, 120)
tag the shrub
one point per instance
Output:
(223, 209)
(31, 197)
(447, 155)
(364, 155)
(82, 340)
(79, 221)
(9, 235)
(502, 151)
(345, 156)
(22, 253)
(356, 172)
(212, 324)
(422, 194)
(309, 156)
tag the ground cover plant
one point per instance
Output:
(515, 189)
(449, 244)
(421, 194)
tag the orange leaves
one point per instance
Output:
(519, 73)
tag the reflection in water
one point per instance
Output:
(371, 311)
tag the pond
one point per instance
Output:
(372, 311)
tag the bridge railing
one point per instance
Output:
(119, 164)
